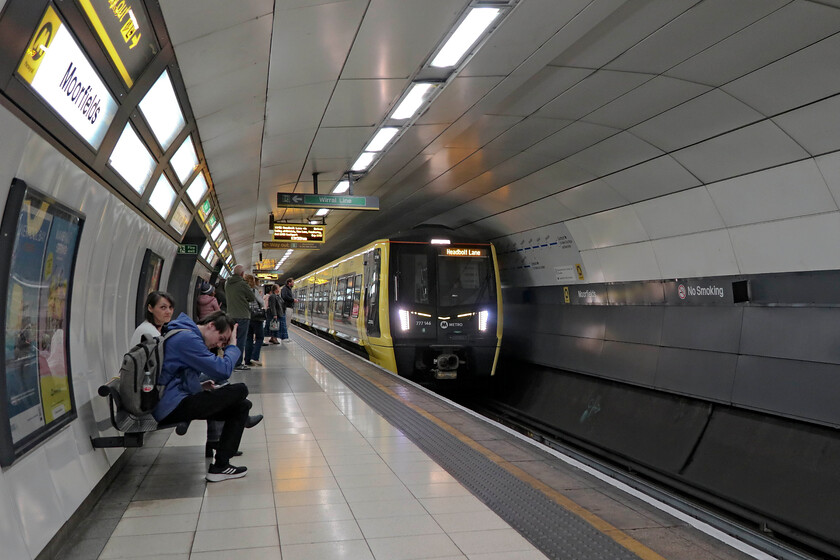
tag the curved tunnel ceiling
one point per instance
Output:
(671, 137)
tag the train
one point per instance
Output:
(424, 304)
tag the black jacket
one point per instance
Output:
(287, 297)
(275, 306)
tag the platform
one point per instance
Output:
(354, 463)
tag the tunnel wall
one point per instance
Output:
(41, 490)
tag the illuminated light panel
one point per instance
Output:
(341, 187)
(464, 37)
(381, 139)
(216, 232)
(223, 246)
(163, 197)
(364, 161)
(132, 160)
(161, 110)
(185, 160)
(197, 189)
(205, 250)
(482, 320)
(440, 242)
(181, 219)
(411, 102)
(404, 324)
(322, 212)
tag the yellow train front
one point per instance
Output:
(421, 304)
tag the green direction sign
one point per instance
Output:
(329, 201)
(187, 249)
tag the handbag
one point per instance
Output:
(257, 311)
(274, 325)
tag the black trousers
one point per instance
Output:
(229, 404)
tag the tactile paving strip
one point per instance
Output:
(555, 531)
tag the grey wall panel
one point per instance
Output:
(633, 363)
(584, 321)
(798, 333)
(703, 328)
(564, 352)
(634, 323)
(804, 390)
(705, 375)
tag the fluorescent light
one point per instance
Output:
(412, 101)
(163, 197)
(404, 324)
(197, 189)
(185, 160)
(132, 160)
(482, 320)
(223, 246)
(322, 212)
(465, 36)
(216, 232)
(381, 138)
(364, 161)
(440, 242)
(205, 250)
(342, 186)
(161, 110)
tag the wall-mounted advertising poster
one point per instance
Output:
(36, 392)
(149, 281)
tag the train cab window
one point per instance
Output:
(357, 293)
(465, 281)
(411, 275)
(372, 268)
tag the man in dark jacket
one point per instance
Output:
(288, 303)
(239, 294)
(187, 355)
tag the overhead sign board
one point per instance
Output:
(60, 73)
(123, 29)
(289, 245)
(329, 201)
(299, 232)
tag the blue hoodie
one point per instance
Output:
(186, 356)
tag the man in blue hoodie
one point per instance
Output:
(187, 355)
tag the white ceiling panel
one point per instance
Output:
(296, 108)
(693, 31)
(416, 138)
(572, 139)
(246, 82)
(460, 216)
(485, 129)
(792, 81)
(665, 216)
(185, 22)
(524, 218)
(591, 93)
(202, 61)
(525, 134)
(590, 198)
(830, 169)
(459, 95)
(626, 263)
(283, 174)
(397, 36)
(231, 118)
(362, 102)
(784, 31)
(287, 147)
(615, 153)
(240, 139)
(542, 87)
(749, 149)
(613, 227)
(620, 31)
(648, 100)
(698, 119)
(346, 142)
(791, 190)
(798, 244)
(653, 178)
(310, 43)
(814, 126)
(554, 178)
(690, 256)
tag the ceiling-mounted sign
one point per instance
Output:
(299, 232)
(123, 29)
(290, 245)
(60, 73)
(329, 201)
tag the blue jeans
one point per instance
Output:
(254, 343)
(241, 337)
(284, 332)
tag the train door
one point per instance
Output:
(373, 261)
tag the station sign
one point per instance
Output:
(290, 245)
(57, 69)
(463, 252)
(124, 30)
(299, 232)
(329, 201)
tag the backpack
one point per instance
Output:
(139, 374)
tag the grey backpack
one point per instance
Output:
(139, 374)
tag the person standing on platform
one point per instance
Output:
(239, 296)
(289, 301)
(275, 313)
(207, 302)
(254, 341)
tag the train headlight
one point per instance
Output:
(404, 324)
(482, 320)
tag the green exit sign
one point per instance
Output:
(187, 249)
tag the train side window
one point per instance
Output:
(348, 295)
(372, 269)
(357, 294)
(339, 296)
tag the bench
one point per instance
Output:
(132, 427)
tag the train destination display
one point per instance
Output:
(299, 232)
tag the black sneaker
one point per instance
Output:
(217, 474)
(253, 420)
(242, 367)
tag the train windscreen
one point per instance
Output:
(465, 280)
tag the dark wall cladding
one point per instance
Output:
(778, 352)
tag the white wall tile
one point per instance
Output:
(653, 178)
(38, 505)
(708, 253)
(68, 477)
(626, 263)
(782, 192)
(829, 166)
(595, 196)
(797, 244)
(11, 531)
(667, 216)
(613, 227)
(814, 126)
(593, 271)
(12, 143)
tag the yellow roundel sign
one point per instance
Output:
(47, 29)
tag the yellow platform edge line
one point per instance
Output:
(601, 525)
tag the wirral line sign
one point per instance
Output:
(332, 202)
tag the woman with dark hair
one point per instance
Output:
(157, 312)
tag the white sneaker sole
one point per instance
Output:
(211, 477)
